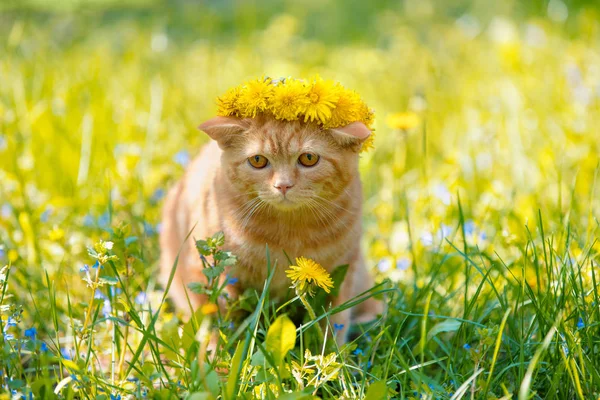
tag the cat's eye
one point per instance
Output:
(308, 159)
(258, 161)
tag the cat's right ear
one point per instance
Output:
(224, 130)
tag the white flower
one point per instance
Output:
(108, 245)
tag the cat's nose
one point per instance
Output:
(283, 187)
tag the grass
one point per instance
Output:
(481, 206)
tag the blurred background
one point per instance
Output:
(486, 113)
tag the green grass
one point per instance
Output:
(481, 221)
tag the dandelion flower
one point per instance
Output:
(208, 308)
(308, 272)
(347, 108)
(289, 100)
(254, 97)
(322, 95)
(227, 104)
(403, 121)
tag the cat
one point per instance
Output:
(291, 185)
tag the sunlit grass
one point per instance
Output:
(481, 211)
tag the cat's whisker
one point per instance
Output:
(329, 202)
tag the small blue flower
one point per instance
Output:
(85, 268)
(67, 354)
(115, 397)
(157, 195)
(6, 210)
(358, 352)
(46, 215)
(231, 325)
(232, 281)
(384, 264)
(9, 336)
(30, 333)
(96, 264)
(580, 323)
(99, 295)
(104, 220)
(369, 364)
(44, 347)
(115, 291)
(469, 227)
(466, 346)
(141, 298)
(338, 327)
(403, 264)
(88, 220)
(106, 308)
(149, 229)
(11, 322)
(182, 158)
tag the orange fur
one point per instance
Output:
(318, 217)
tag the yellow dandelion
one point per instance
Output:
(13, 255)
(347, 108)
(227, 104)
(289, 99)
(254, 97)
(403, 120)
(308, 272)
(367, 116)
(368, 144)
(322, 95)
(208, 308)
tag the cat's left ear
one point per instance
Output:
(224, 129)
(352, 135)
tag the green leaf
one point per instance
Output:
(110, 280)
(15, 384)
(449, 325)
(212, 381)
(377, 391)
(338, 275)
(218, 239)
(226, 262)
(213, 272)
(297, 396)
(197, 287)
(203, 247)
(281, 338)
(232, 381)
(200, 396)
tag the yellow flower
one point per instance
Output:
(347, 108)
(368, 144)
(208, 308)
(326, 103)
(322, 95)
(254, 97)
(404, 121)
(13, 255)
(227, 104)
(56, 234)
(307, 272)
(289, 99)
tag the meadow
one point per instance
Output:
(481, 211)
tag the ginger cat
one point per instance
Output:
(292, 185)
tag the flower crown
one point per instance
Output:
(325, 102)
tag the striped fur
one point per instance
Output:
(221, 192)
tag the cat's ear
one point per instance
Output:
(352, 135)
(224, 129)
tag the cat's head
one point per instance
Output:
(287, 164)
